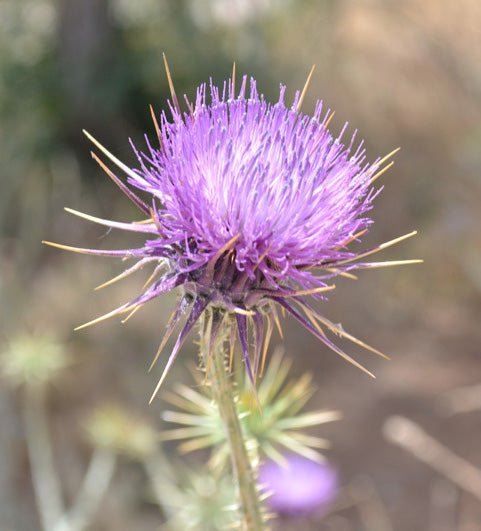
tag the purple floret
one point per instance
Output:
(299, 487)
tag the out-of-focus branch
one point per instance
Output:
(96, 481)
(408, 435)
(48, 494)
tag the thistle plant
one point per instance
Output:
(248, 206)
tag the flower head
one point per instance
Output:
(299, 487)
(250, 205)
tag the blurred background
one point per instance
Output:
(405, 74)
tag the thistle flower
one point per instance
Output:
(250, 206)
(299, 487)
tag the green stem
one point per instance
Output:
(224, 395)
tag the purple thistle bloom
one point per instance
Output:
(299, 487)
(249, 204)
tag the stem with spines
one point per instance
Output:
(224, 395)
